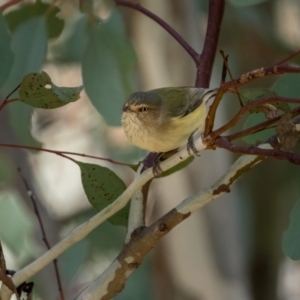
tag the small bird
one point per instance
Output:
(165, 119)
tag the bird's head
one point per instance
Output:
(144, 107)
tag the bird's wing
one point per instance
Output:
(180, 101)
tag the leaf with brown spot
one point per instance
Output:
(37, 90)
(102, 187)
(269, 109)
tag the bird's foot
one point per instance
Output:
(191, 148)
(156, 169)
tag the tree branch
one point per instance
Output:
(112, 281)
(194, 55)
(223, 142)
(84, 229)
(248, 107)
(207, 57)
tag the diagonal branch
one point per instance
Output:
(163, 24)
(251, 106)
(223, 142)
(112, 281)
(84, 229)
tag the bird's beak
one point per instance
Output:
(126, 108)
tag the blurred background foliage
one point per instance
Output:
(229, 250)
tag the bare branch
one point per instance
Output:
(207, 57)
(163, 24)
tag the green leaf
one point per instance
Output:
(251, 95)
(6, 168)
(291, 237)
(106, 68)
(34, 91)
(258, 137)
(29, 44)
(178, 167)
(73, 46)
(6, 54)
(123, 50)
(287, 85)
(102, 187)
(14, 215)
(38, 9)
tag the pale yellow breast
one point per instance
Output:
(168, 136)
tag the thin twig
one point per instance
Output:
(224, 68)
(189, 49)
(259, 126)
(248, 107)
(231, 77)
(242, 80)
(44, 236)
(223, 142)
(65, 153)
(289, 57)
(259, 73)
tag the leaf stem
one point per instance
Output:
(65, 153)
(5, 102)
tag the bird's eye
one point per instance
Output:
(143, 109)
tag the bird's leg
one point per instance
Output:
(191, 148)
(156, 164)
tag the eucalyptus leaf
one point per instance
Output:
(34, 91)
(291, 237)
(107, 68)
(254, 94)
(258, 137)
(102, 187)
(14, 216)
(72, 47)
(6, 54)
(29, 44)
(6, 167)
(288, 85)
(38, 9)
